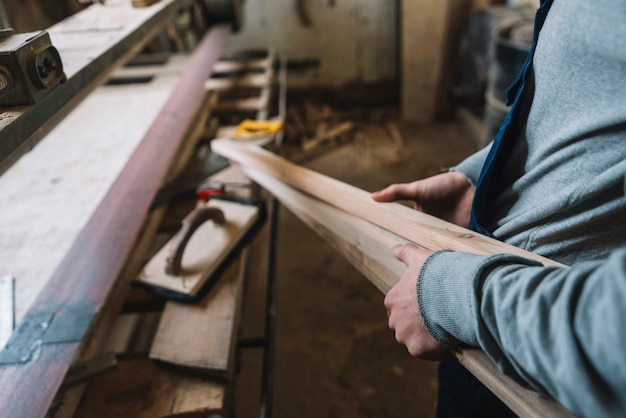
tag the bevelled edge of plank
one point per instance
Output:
(368, 248)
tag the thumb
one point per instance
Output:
(403, 252)
(401, 191)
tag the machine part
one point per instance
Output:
(224, 11)
(29, 67)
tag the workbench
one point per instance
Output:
(64, 160)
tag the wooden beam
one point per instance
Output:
(420, 228)
(201, 336)
(424, 29)
(91, 43)
(368, 247)
(77, 291)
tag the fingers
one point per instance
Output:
(403, 191)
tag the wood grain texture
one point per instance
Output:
(368, 247)
(140, 388)
(200, 335)
(92, 265)
(425, 230)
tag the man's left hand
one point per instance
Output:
(403, 310)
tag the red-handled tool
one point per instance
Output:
(210, 188)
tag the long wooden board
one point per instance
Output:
(61, 315)
(91, 43)
(368, 247)
(356, 226)
(425, 230)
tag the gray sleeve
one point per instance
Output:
(472, 165)
(556, 329)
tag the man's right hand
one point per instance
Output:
(447, 196)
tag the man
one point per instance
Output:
(552, 183)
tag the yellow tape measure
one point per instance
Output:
(254, 129)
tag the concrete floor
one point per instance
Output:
(335, 356)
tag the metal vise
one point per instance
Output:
(29, 67)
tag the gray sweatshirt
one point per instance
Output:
(562, 196)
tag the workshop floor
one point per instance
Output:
(335, 356)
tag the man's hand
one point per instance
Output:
(403, 310)
(447, 196)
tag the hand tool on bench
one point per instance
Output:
(194, 258)
(250, 129)
(211, 188)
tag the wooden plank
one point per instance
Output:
(139, 388)
(524, 402)
(368, 247)
(132, 334)
(144, 3)
(91, 44)
(425, 28)
(252, 104)
(80, 285)
(418, 227)
(235, 66)
(202, 336)
(249, 81)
